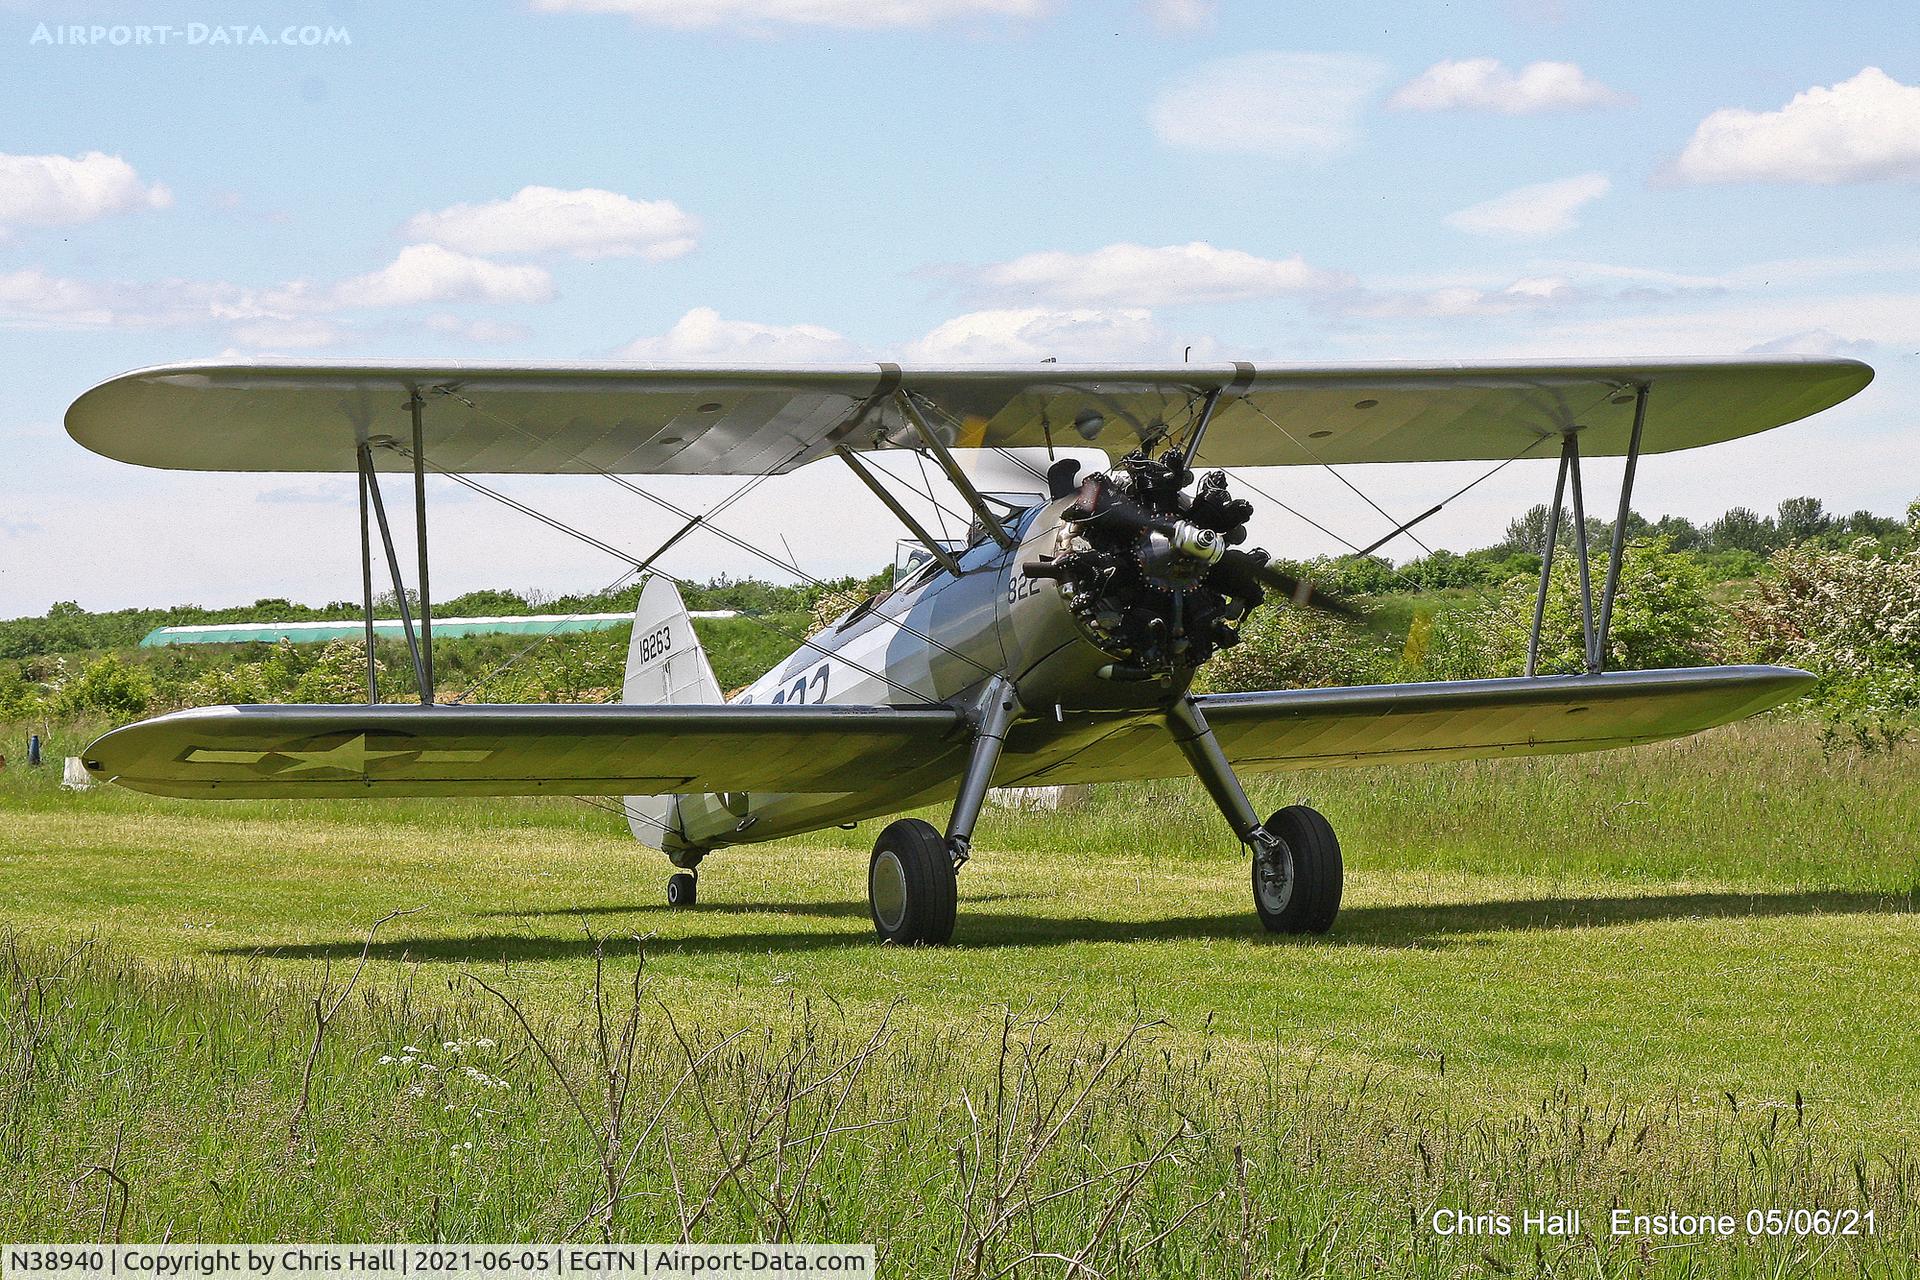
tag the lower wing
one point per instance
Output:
(1374, 724)
(290, 751)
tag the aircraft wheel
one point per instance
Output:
(1311, 902)
(911, 888)
(682, 889)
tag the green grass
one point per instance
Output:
(1705, 950)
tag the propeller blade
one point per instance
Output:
(1300, 592)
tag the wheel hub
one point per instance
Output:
(1272, 872)
(889, 889)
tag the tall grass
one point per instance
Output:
(142, 1102)
(1672, 978)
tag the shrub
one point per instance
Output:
(1852, 617)
(18, 696)
(107, 687)
(1662, 617)
(339, 674)
(1286, 648)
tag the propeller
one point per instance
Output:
(1300, 592)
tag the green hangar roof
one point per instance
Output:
(318, 632)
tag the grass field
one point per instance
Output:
(1682, 977)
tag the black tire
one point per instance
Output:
(912, 892)
(1317, 874)
(683, 889)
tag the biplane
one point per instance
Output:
(1056, 644)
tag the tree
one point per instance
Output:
(485, 604)
(1743, 529)
(1865, 524)
(1528, 533)
(1681, 533)
(1800, 519)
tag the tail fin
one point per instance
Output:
(665, 665)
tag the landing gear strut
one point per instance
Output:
(1296, 859)
(912, 877)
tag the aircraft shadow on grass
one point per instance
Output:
(1411, 926)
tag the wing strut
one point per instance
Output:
(1593, 629)
(420, 546)
(366, 577)
(1597, 659)
(995, 528)
(370, 485)
(880, 491)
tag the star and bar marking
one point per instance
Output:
(351, 756)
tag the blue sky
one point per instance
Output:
(772, 180)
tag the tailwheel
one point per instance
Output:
(1307, 901)
(682, 889)
(911, 886)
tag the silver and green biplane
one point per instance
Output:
(1057, 644)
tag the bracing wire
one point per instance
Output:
(1254, 405)
(803, 642)
(1353, 549)
(906, 482)
(664, 504)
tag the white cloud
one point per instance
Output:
(757, 15)
(1181, 15)
(1814, 342)
(280, 317)
(423, 273)
(33, 299)
(1841, 323)
(588, 223)
(1535, 212)
(476, 330)
(288, 334)
(1460, 300)
(702, 335)
(1268, 103)
(1139, 275)
(34, 295)
(1485, 84)
(1860, 130)
(1035, 333)
(61, 191)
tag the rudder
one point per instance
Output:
(666, 665)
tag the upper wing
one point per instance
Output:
(1371, 724)
(310, 416)
(284, 751)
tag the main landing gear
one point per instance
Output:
(913, 876)
(1296, 857)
